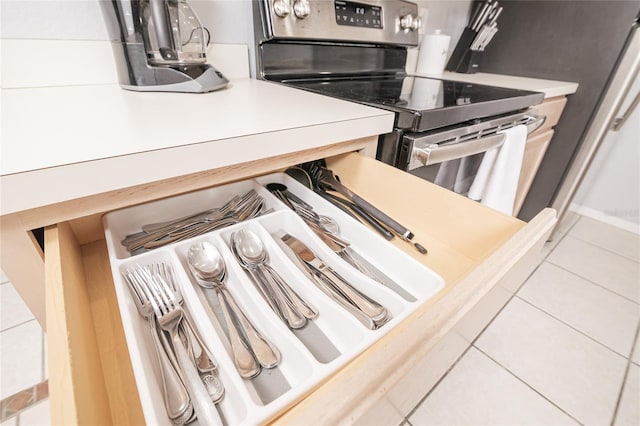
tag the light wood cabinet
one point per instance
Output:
(472, 247)
(536, 147)
(534, 151)
(552, 109)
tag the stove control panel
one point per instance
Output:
(358, 14)
(369, 21)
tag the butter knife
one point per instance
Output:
(361, 264)
(372, 309)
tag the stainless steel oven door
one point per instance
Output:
(451, 157)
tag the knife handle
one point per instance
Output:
(369, 307)
(399, 229)
(343, 204)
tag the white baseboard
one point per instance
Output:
(605, 218)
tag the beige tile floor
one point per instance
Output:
(563, 351)
(22, 358)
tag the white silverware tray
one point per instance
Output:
(332, 340)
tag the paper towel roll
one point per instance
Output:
(433, 53)
(426, 93)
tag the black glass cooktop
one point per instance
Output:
(425, 103)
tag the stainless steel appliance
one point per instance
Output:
(357, 51)
(159, 45)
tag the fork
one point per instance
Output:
(169, 313)
(203, 360)
(176, 398)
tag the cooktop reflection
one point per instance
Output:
(423, 103)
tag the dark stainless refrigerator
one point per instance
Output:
(580, 41)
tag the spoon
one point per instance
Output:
(254, 254)
(266, 353)
(207, 266)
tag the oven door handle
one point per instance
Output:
(537, 123)
(435, 154)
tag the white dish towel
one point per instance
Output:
(496, 182)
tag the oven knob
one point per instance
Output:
(282, 7)
(301, 8)
(410, 22)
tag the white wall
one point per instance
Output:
(227, 20)
(448, 16)
(611, 188)
(43, 35)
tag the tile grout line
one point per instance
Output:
(528, 385)
(605, 249)
(624, 379)
(472, 343)
(18, 325)
(33, 400)
(435, 386)
(574, 223)
(514, 295)
(573, 328)
(561, 235)
(599, 246)
(590, 281)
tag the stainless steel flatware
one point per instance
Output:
(169, 314)
(176, 399)
(370, 270)
(329, 231)
(237, 209)
(247, 344)
(325, 179)
(284, 301)
(350, 208)
(200, 354)
(368, 311)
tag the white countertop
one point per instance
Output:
(550, 88)
(62, 143)
(63, 137)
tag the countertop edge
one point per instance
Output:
(550, 88)
(58, 184)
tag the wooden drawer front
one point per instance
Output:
(441, 220)
(424, 376)
(551, 108)
(91, 375)
(534, 151)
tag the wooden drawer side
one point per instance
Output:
(119, 380)
(73, 361)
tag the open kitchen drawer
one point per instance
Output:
(472, 247)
